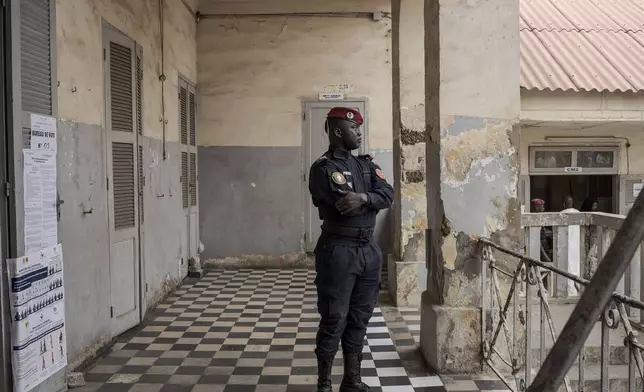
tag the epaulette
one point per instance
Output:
(366, 156)
(322, 158)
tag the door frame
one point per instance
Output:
(306, 157)
(191, 87)
(8, 242)
(109, 34)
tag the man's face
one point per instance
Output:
(350, 134)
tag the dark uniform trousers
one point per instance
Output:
(348, 283)
(347, 260)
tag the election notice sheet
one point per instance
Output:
(38, 316)
(41, 217)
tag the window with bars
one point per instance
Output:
(36, 56)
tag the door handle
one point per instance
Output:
(58, 203)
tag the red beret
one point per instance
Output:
(346, 114)
(538, 202)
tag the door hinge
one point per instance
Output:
(305, 237)
(303, 115)
(8, 188)
(104, 54)
(111, 311)
(146, 287)
(107, 183)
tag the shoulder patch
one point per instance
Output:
(366, 156)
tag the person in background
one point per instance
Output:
(590, 204)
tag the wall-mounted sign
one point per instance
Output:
(331, 96)
(572, 169)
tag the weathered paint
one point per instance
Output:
(410, 209)
(254, 72)
(472, 103)
(80, 57)
(84, 229)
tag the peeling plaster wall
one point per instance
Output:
(81, 156)
(472, 114)
(254, 73)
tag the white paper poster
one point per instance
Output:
(41, 218)
(43, 132)
(38, 336)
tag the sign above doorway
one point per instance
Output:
(331, 96)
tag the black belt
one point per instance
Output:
(361, 233)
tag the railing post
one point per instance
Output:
(592, 302)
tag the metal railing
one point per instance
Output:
(524, 295)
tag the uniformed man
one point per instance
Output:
(349, 192)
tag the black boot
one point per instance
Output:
(324, 375)
(352, 382)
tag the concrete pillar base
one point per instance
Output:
(450, 337)
(406, 281)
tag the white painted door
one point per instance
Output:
(122, 180)
(189, 189)
(316, 142)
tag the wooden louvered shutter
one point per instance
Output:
(192, 112)
(121, 87)
(123, 179)
(36, 56)
(123, 113)
(183, 109)
(139, 94)
(193, 179)
(184, 178)
(141, 184)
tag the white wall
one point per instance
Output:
(254, 72)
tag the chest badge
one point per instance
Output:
(338, 178)
(380, 174)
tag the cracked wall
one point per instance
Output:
(472, 112)
(82, 171)
(409, 130)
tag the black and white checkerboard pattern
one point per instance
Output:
(247, 331)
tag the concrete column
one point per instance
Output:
(406, 265)
(472, 109)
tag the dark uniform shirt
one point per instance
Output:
(362, 176)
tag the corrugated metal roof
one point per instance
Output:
(582, 45)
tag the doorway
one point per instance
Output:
(316, 142)
(554, 188)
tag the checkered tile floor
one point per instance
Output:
(247, 331)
